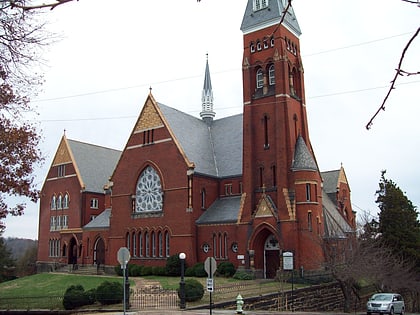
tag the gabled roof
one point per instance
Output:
(100, 222)
(271, 15)
(331, 182)
(222, 211)
(215, 149)
(303, 159)
(335, 225)
(95, 164)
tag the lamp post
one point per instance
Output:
(182, 257)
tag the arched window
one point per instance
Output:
(167, 243)
(127, 241)
(66, 201)
(160, 239)
(153, 235)
(149, 195)
(134, 244)
(252, 47)
(271, 75)
(140, 245)
(60, 202)
(266, 142)
(203, 199)
(147, 244)
(53, 202)
(260, 79)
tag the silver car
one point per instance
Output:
(386, 303)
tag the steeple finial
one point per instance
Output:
(207, 113)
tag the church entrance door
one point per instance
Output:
(271, 257)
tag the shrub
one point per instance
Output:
(173, 266)
(118, 270)
(109, 293)
(199, 270)
(159, 271)
(226, 269)
(135, 270)
(194, 290)
(243, 275)
(75, 296)
(146, 271)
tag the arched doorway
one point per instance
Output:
(99, 252)
(72, 250)
(271, 257)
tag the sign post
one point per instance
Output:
(123, 257)
(288, 265)
(210, 267)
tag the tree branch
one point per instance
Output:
(399, 71)
(41, 6)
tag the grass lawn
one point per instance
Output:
(44, 290)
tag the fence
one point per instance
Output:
(154, 298)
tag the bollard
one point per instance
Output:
(239, 304)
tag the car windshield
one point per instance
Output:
(382, 297)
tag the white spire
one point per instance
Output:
(207, 113)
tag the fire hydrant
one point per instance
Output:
(239, 303)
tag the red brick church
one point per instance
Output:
(244, 188)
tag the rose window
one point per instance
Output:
(149, 196)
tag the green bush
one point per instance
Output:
(173, 266)
(199, 270)
(135, 270)
(226, 269)
(118, 270)
(110, 293)
(146, 271)
(75, 296)
(158, 271)
(194, 290)
(243, 275)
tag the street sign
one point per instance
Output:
(288, 261)
(210, 266)
(210, 285)
(123, 256)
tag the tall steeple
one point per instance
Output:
(207, 113)
(260, 14)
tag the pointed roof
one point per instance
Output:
(207, 96)
(303, 159)
(216, 149)
(262, 17)
(93, 164)
(331, 182)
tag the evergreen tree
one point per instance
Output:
(399, 227)
(6, 261)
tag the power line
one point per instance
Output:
(197, 76)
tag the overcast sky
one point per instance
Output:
(98, 77)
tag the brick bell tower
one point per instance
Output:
(281, 180)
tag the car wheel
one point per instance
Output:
(402, 311)
(391, 312)
(369, 313)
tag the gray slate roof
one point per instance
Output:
(222, 211)
(303, 159)
(269, 16)
(335, 224)
(95, 163)
(330, 181)
(215, 149)
(100, 222)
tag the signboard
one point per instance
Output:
(210, 284)
(210, 266)
(123, 256)
(288, 261)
